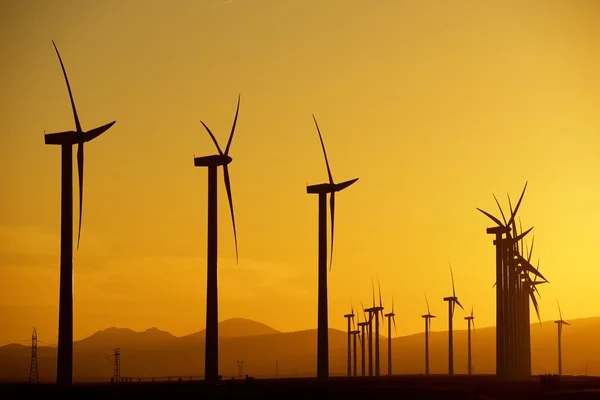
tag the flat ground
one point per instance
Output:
(403, 386)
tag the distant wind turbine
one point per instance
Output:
(64, 371)
(428, 318)
(350, 318)
(560, 324)
(322, 190)
(211, 357)
(391, 319)
(363, 339)
(470, 320)
(452, 301)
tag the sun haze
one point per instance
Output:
(434, 105)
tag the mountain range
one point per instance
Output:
(267, 352)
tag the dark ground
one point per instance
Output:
(484, 387)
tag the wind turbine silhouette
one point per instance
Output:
(350, 318)
(470, 320)
(391, 319)
(66, 140)
(355, 332)
(428, 318)
(374, 312)
(211, 358)
(560, 324)
(322, 190)
(452, 301)
(362, 338)
(369, 324)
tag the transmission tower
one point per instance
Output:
(117, 366)
(33, 368)
(240, 365)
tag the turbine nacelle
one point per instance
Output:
(216, 160)
(70, 138)
(428, 316)
(390, 315)
(329, 187)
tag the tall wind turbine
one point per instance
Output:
(470, 320)
(355, 332)
(350, 318)
(452, 301)
(211, 357)
(322, 190)
(560, 324)
(369, 339)
(66, 140)
(376, 310)
(363, 340)
(428, 318)
(391, 319)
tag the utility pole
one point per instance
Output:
(33, 367)
(117, 365)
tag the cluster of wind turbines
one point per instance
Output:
(65, 331)
(371, 318)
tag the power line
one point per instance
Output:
(33, 367)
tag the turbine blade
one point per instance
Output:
(559, 312)
(324, 152)
(500, 208)
(460, 305)
(531, 249)
(77, 124)
(228, 189)
(233, 127)
(535, 306)
(494, 285)
(379, 288)
(452, 276)
(94, 133)
(373, 287)
(394, 321)
(521, 232)
(332, 207)
(490, 216)
(521, 236)
(565, 323)
(392, 304)
(427, 301)
(514, 213)
(80, 174)
(212, 137)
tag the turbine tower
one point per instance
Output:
(362, 338)
(452, 301)
(350, 318)
(369, 322)
(391, 319)
(428, 318)
(66, 140)
(470, 320)
(322, 190)
(560, 324)
(211, 358)
(355, 332)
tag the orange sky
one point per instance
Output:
(433, 105)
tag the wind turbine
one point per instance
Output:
(376, 311)
(560, 324)
(470, 320)
(362, 339)
(350, 318)
(508, 347)
(452, 301)
(211, 358)
(355, 332)
(322, 190)
(391, 318)
(369, 324)
(66, 140)
(374, 315)
(428, 318)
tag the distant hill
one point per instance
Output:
(238, 327)
(158, 353)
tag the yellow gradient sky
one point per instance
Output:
(434, 105)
